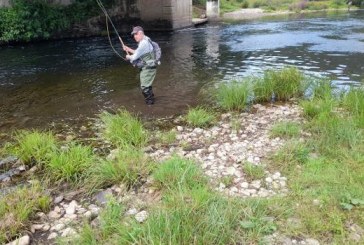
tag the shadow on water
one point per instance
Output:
(71, 80)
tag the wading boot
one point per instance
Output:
(148, 95)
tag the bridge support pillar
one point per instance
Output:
(212, 9)
(166, 14)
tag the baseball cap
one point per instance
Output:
(136, 29)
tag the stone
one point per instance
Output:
(311, 241)
(68, 232)
(58, 199)
(71, 209)
(141, 216)
(25, 240)
(52, 236)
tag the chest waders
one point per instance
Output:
(147, 75)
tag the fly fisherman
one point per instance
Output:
(143, 58)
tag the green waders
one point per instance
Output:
(147, 75)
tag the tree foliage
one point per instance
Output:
(28, 20)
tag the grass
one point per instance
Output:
(253, 172)
(189, 213)
(122, 129)
(178, 174)
(200, 117)
(285, 130)
(233, 96)
(353, 101)
(70, 164)
(279, 5)
(279, 85)
(34, 146)
(166, 138)
(129, 166)
(327, 169)
(17, 208)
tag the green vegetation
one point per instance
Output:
(69, 164)
(34, 146)
(285, 130)
(200, 117)
(279, 5)
(123, 129)
(322, 160)
(233, 96)
(17, 208)
(32, 20)
(281, 85)
(129, 166)
(253, 172)
(189, 213)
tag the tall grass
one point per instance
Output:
(285, 130)
(200, 117)
(16, 208)
(70, 164)
(354, 102)
(178, 173)
(129, 166)
(188, 214)
(34, 145)
(281, 85)
(233, 96)
(123, 129)
(325, 173)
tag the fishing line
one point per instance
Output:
(107, 28)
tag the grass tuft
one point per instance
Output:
(123, 129)
(34, 145)
(200, 117)
(70, 164)
(285, 130)
(129, 166)
(233, 96)
(17, 208)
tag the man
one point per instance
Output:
(143, 58)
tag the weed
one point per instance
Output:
(34, 145)
(16, 209)
(200, 117)
(253, 172)
(70, 164)
(123, 129)
(285, 130)
(233, 96)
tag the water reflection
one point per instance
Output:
(69, 79)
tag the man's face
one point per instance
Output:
(138, 36)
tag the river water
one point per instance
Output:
(71, 80)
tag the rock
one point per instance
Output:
(58, 199)
(68, 232)
(58, 227)
(54, 215)
(141, 216)
(311, 241)
(36, 227)
(71, 209)
(52, 236)
(25, 240)
(131, 211)
(102, 196)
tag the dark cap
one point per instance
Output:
(136, 29)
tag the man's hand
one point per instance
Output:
(128, 57)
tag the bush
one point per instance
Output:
(233, 96)
(199, 117)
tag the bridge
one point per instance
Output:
(152, 14)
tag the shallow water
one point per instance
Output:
(71, 80)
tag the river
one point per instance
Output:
(72, 80)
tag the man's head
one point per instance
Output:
(138, 33)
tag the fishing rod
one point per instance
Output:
(103, 9)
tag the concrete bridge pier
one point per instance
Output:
(212, 9)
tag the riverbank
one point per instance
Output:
(256, 13)
(284, 172)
